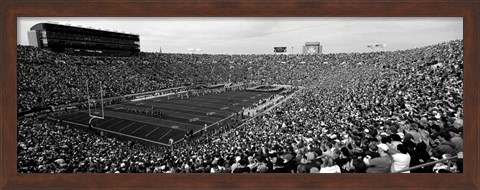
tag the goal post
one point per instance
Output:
(90, 101)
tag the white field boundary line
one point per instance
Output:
(221, 101)
(158, 96)
(121, 134)
(216, 99)
(151, 97)
(267, 104)
(78, 119)
(285, 99)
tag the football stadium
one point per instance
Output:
(90, 101)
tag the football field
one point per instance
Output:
(140, 119)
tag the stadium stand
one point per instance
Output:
(355, 108)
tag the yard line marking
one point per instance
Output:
(104, 121)
(151, 132)
(114, 124)
(126, 126)
(153, 121)
(138, 129)
(165, 134)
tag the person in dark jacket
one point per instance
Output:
(242, 167)
(279, 166)
(444, 145)
(420, 156)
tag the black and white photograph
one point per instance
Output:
(240, 95)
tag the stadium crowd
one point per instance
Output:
(377, 112)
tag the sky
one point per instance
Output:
(258, 35)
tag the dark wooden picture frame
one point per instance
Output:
(11, 10)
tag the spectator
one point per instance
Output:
(401, 159)
(444, 146)
(381, 164)
(457, 140)
(328, 166)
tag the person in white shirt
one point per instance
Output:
(401, 159)
(329, 166)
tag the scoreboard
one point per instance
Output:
(279, 49)
(312, 48)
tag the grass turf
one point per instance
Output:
(177, 114)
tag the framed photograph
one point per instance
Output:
(232, 94)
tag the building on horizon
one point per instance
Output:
(312, 48)
(78, 40)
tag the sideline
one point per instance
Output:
(106, 130)
(263, 112)
(270, 105)
(151, 97)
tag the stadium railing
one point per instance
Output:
(448, 161)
